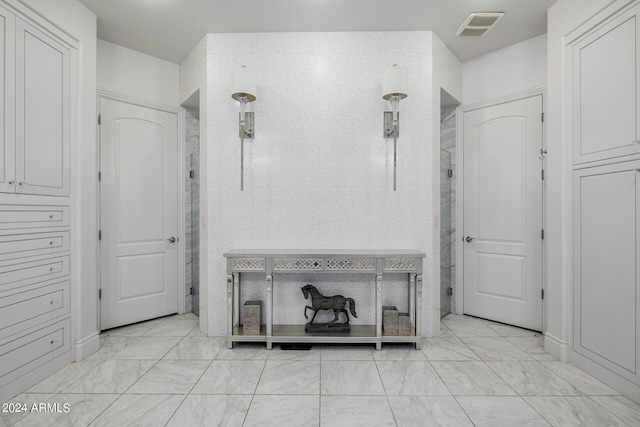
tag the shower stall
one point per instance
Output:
(192, 210)
(446, 232)
(447, 204)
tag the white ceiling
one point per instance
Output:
(169, 29)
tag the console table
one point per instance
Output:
(274, 262)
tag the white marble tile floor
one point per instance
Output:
(474, 373)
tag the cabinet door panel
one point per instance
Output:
(605, 91)
(42, 118)
(606, 299)
(7, 109)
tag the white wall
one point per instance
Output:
(514, 69)
(137, 75)
(80, 23)
(319, 172)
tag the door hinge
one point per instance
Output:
(192, 174)
(542, 234)
(99, 119)
(99, 176)
(190, 291)
(542, 117)
(450, 173)
(99, 293)
(542, 293)
(99, 234)
(450, 292)
(543, 174)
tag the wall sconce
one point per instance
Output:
(394, 88)
(243, 89)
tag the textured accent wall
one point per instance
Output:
(319, 173)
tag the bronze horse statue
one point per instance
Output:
(320, 302)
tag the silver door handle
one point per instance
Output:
(171, 240)
(468, 239)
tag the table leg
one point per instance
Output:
(412, 299)
(419, 310)
(236, 299)
(378, 310)
(269, 310)
(229, 310)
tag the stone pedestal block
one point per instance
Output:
(404, 324)
(251, 314)
(389, 320)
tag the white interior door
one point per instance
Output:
(503, 213)
(139, 213)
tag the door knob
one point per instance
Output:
(469, 239)
(171, 239)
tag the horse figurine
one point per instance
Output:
(320, 302)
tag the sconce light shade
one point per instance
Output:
(395, 82)
(243, 84)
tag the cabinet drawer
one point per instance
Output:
(23, 354)
(23, 245)
(25, 216)
(27, 309)
(33, 270)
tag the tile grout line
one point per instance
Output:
(320, 391)
(145, 372)
(590, 397)
(196, 381)
(386, 395)
(253, 395)
(455, 398)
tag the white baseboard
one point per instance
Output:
(613, 380)
(86, 346)
(557, 348)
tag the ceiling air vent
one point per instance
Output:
(478, 24)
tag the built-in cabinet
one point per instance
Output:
(606, 105)
(35, 207)
(36, 110)
(605, 97)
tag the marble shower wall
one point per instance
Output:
(192, 204)
(448, 144)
